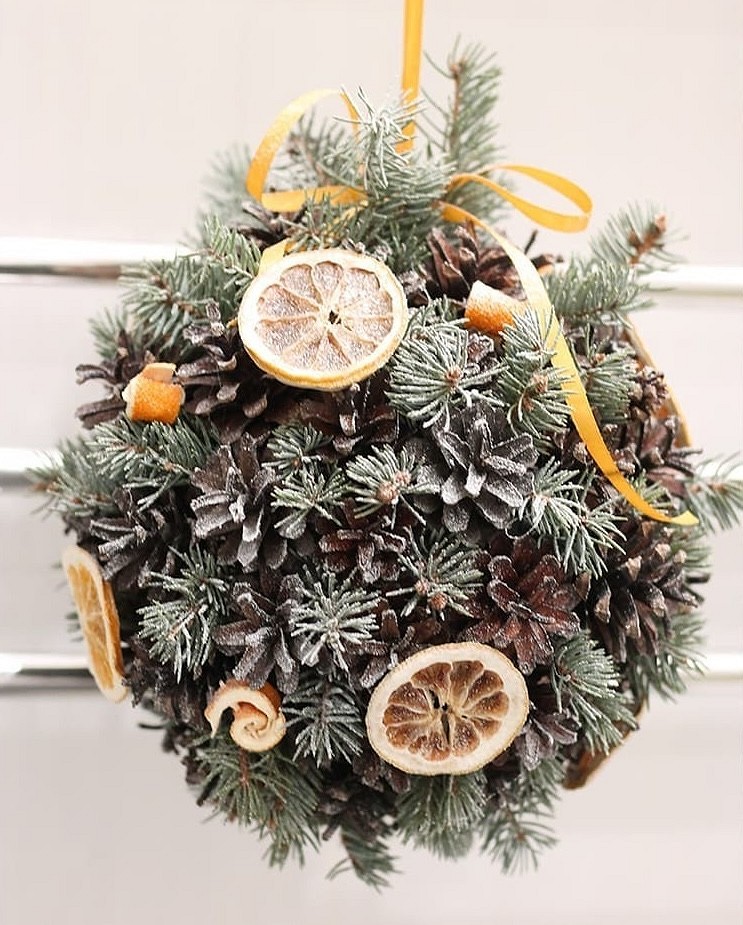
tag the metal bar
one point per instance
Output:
(29, 672)
(50, 258)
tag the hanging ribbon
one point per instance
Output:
(536, 294)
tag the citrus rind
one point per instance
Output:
(448, 709)
(323, 319)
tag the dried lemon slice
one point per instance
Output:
(323, 319)
(447, 710)
(99, 621)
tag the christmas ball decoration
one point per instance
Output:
(393, 527)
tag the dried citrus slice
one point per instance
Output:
(99, 621)
(323, 319)
(447, 710)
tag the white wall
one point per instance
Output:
(110, 113)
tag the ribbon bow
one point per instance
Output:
(536, 294)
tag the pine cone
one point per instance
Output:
(488, 467)
(231, 508)
(139, 541)
(648, 446)
(455, 265)
(222, 383)
(547, 727)
(533, 601)
(643, 588)
(259, 639)
(357, 416)
(115, 373)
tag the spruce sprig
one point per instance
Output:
(106, 328)
(152, 457)
(557, 511)
(399, 188)
(609, 377)
(332, 617)
(383, 479)
(679, 658)
(587, 678)
(526, 382)
(516, 830)
(268, 791)
(165, 297)
(305, 491)
(74, 485)
(463, 130)
(715, 493)
(292, 446)
(442, 813)
(445, 571)
(595, 292)
(368, 854)
(636, 236)
(328, 719)
(430, 372)
(185, 610)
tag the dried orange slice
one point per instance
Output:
(447, 710)
(323, 319)
(99, 621)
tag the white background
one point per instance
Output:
(110, 113)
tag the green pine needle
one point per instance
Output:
(268, 791)
(189, 605)
(328, 719)
(442, 813)
(587, 678)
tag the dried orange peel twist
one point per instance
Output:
(153, 396)
(562, 358)
(258, 723)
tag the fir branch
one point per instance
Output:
(463, 130)
(609, 378)
(306, 491)
(637, 236)
(332, 617)
(292, 446)
(430, 372)
(400, 190)
(180, 627)
(106, 328)
(595, 292)
(74, 485)
(557, 511)
(445, 572)
(368, 855)
(165, 297)
(152, 456)
(329, 721)
(517, 830)
(224, 186)
(269, 791)
(587, 678)
(715, 493)
(679, 658)
(527, 383)
(383, 479)
(442, 813)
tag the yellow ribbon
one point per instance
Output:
(536, 294)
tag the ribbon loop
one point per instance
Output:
(260, 166)
(548, 218)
